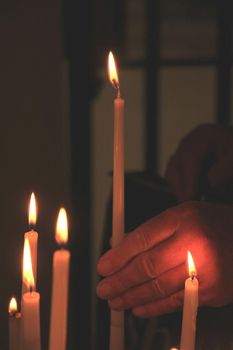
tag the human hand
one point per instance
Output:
(147, 271)
(186, 166)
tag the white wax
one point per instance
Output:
(117, 330)
(118, 229)
(60, 288)
(14, 331)
(33, 242)
(188, 333)
(118, 173)
(31, 321)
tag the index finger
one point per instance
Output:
(143, 238)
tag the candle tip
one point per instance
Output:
(62, 228)
(12, 307)
(191, 265)
(112, 73)
(32, 211)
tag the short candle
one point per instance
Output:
(190, 307)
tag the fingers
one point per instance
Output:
(144, 267)
(143, 238)
(221, 173)
(172, 303)
(185, 166)
(155, 289)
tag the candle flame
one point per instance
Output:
(32, 210)
(12, 306)
(191, 266)
(28, 277)
(112, 71)
(62, 227)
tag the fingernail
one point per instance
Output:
(116, 303)
(104, 289)
(105, 266)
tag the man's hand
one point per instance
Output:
(147, 271)
(186, 166)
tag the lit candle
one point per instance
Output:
(117, 317)
(30, 304)
(60, 287)
(32, 237)
(188, 333)
(14, 325)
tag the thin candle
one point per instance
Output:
(188, 334)
(30, 305)
(60, 286)
(117, 317)
(14, 325)
(32, 237)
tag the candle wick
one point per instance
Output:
(30, 290)
(117, 87)
(193, 276)
(12, 313)
(31, 227)
(62, 246)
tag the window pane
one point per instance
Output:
(188, 29)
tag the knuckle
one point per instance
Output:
(190, 209)
(148, 266)
(142, 237)
(177, 299)
(159, 288)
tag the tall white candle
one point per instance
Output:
(188, 334)
(14, 326)
(60, 287)
(32, 237)
(30, 305)
(117, 317)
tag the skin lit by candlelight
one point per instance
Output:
(191, 266)
(12, 306)
(32, 210)
(62, 227)
(112, 71)
(27, 266)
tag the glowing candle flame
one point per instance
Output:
(12, 306)
(191, 266)
(112, 71)
(62, 227)
(32, 210)
(28, 277)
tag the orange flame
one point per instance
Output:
(112, 71)
(28, 277)
(32, 210)
(12, 306)
(62, 227)
(191, 266)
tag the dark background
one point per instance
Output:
(52, 87)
